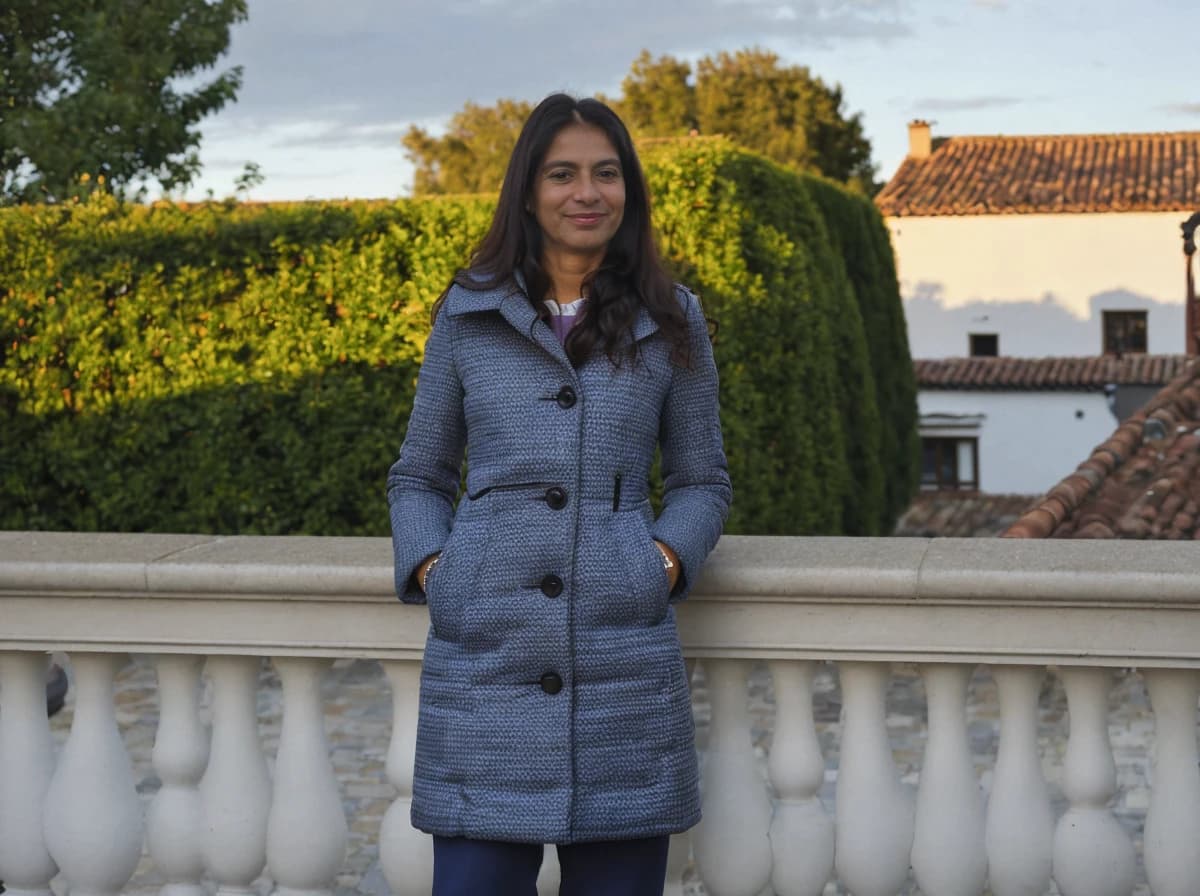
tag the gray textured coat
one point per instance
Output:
(554, 703)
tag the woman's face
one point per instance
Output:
(579, 193)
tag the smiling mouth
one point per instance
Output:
(585, 219)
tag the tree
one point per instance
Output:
(95, 88)
(781, 111)
(656, 98)
(473, 153)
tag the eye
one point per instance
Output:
(609, 174)
(559, 175)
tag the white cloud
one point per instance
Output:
(1182, 108)
(373, 61)
(332, 134)
(964, 103)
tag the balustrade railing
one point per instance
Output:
(821, 814)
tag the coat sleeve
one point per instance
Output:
(696, 486)
(423, 483)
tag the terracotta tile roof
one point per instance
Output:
(1143, 482)
(961, 514)
(1087, 374)
(1064, 173)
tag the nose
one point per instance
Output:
(585, 189)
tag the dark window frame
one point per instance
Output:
(1124, 332)
(944, 474)
(977, 345)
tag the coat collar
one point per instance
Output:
(644, 325)
(511, 301)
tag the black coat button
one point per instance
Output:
(565, 397)
(551, 683)
(556, 497)
(552, 586)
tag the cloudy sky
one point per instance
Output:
(330, 87)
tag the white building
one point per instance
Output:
(1019, 425)
(1043, 246)
(1050, 271)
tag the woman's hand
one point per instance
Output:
(672, 563)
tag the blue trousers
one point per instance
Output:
(463, 867)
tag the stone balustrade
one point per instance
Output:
(216, 606)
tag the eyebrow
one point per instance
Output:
(566, 164)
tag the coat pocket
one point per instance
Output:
(451, 582)
(648, 583)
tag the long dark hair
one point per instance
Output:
(631, 274)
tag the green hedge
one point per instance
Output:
(249, 369)
(860, 239)
(218, 369)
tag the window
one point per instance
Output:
(950, 450)
(1124, 332)
(984, 345)
(949, 463)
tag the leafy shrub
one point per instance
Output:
(249, 368)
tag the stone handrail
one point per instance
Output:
(1019, 606)
(1097, 603)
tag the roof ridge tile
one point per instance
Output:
(1048, 173)
(1005, 373)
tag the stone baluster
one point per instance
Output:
(874, 814)
(550, 874)
(948, 854)
(1172, 832)
(1092, 854)
(1020, 822)
(801, 830)
(235, 791)
(679, 853)
(26, 766)
(405, 854)
(732, 841)
(93, 820)
(175, 824)
(306, 830)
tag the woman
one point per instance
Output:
(554, 702)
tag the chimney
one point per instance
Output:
(920, 141)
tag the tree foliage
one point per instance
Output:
(657, 99)
(782, 111)
(473, 153)
(96, 88)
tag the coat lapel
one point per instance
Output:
(509, 299)
(520, 314)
